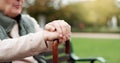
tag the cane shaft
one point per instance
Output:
(67, 47)
(55, 51)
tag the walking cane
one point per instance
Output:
(55, 49)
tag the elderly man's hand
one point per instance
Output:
(61, 27)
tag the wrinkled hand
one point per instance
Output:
(60, 28)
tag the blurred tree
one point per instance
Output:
(105, 9)
(69, 13)
(95, 14)
(43, 8)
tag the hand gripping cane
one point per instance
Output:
(55, 49)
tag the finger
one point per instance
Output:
(68, 32)
(57, 27)
(62, 27)
(66, 29)
(48, 36)
(49, 27)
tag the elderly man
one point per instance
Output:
(21, 37)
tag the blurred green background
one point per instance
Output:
(84, 16)
(91, 47)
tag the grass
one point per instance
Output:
(91, 47)
(97, 30)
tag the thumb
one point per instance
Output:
(49, 36)
(49, 28)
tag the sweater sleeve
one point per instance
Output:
(24, 46)
(37, 29)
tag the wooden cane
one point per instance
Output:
(55, 49)
(67, 47)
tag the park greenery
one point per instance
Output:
(82, 16)
(92, 47)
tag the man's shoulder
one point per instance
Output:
(26, 16)
(28, 19)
